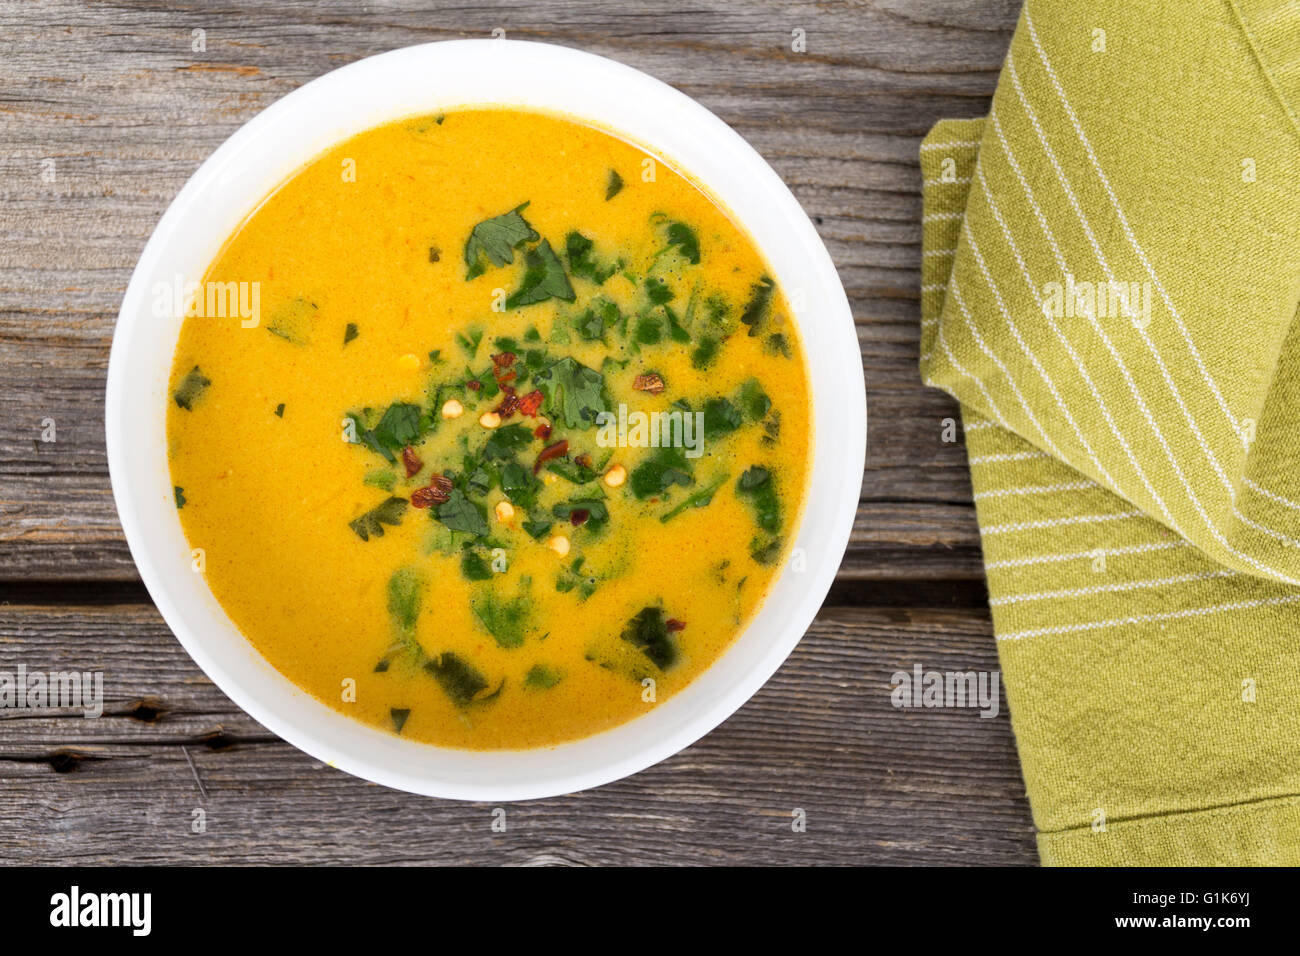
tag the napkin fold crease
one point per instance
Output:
(1110, 282)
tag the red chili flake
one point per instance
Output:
(411, 462)
(438, 491)
(427, 497)
(560, 448)
(473, 385)
(649, 382)
(509, 376)
(503, 359)
(508, 405)
(530, 403)
(675, 625)
(542, 431)
(578, 515)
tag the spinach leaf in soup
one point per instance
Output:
(494, 241)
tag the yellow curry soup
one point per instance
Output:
(423, 482)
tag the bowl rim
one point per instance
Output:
(360, 752)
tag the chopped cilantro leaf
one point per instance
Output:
(683, 237)
(573, 392)
(191, 389)
(371, 524)
(494, 241)
(544, 278)
(613, 185)
(458, 513)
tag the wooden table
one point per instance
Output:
(114, 95)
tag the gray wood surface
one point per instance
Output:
(113, 94)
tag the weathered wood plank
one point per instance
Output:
(115, 96)
(879, 785)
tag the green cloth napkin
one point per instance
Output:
(1111, 273)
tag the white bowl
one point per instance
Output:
(421, 80)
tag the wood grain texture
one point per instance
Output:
(878, 785)
(114, 95)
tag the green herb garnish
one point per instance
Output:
(294, 321)
(458, 513)
(757, 485)
(613, 185)
(542, 677)
(683, 237)
(505, 620)
(460, 680)
(573, 392)
(577, 249)
(505, 441)
(388, 512)
(648, 632)
(759, 305)
(473, 567)
(699, 499)
(544, 278)
(191, 389)
(398, 716)
(495, 240)
(666, 467)
(405, 594)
